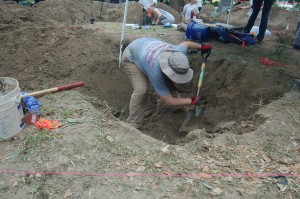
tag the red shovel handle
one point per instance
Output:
(55, 89)
(70, 86)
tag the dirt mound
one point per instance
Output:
(69, 11)
(54, 50)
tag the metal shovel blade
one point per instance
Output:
(200, 110)
(188, 116)
(197, 112)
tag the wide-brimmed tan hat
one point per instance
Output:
(176, 66)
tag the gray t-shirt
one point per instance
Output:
(145, 53)
(169, 18)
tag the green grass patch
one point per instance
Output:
(226, 154)
(34, 143)
(271, 149)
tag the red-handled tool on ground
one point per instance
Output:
(55, 89)
(198, 111)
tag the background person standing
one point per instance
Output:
(264, 17)
(189, 10)
(199, 5)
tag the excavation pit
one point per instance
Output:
(235, 90)
(234, 93)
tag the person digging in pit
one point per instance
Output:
(160, 63)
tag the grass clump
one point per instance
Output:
(34, 143)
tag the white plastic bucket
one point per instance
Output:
(11, 111)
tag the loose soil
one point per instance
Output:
(251, 124)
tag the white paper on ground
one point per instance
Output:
(255, 30)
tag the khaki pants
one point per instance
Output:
(140, 84)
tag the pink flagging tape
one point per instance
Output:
(257, 175)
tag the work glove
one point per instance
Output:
(206, 47)
(198, 100)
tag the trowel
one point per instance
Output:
(197, 111)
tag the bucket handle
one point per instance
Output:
(199, 36)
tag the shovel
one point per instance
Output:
(54, 89)
(100, 17)
(198, 111)
(32, 118)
